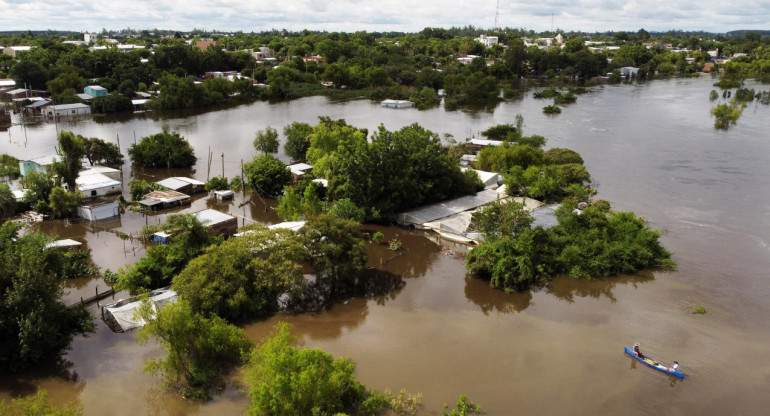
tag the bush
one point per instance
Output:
(217, 183)
(699, 310)
(378, 237)
(236, 184)
(552, 109)
(112, 103)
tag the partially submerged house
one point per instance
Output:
(218, 222)
(56, 112)
(298, 170)
(397, 104)
(164, 199)
(99, 210)
(40, 164)
(95, 91)
(123, 315)
(92, 183)
(181, 184)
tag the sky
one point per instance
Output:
(384, 15)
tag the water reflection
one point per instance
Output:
(489, 299)
(28, 381)
(566, 288)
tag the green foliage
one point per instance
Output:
(236, 184)
(713, 95)
(297, 142)
(346, 209)
(38, 185)
(199, 348)
(163, 149)
(561, 156)
(34, 323)
(72, 149)
(425, 98)
(728, 83)
(378, 237)
(266, 140)
(112, 103)
(285, 380)
(7, 201)
(217, 183)
(139, 187)
(64, 204)
(500, 219)
(267, 175)
(37, 405)
(504, 157)
(245, 276)
(290, 204)
(595, 242)
(699, 310)
(726, 115)
(464, 407)
(552, 109)
(500, 132)
(97, 151)
(9, 166)
(404, 403)
(189, 238)
(337, 252)
(110, 277)
(395, 244)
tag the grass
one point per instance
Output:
(699, 309)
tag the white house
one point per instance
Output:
(66, 110)
(488, 41)
(99, 210)
(111, 173)
(97, 184)
(14, 50)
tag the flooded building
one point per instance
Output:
(123, 315)
(99, 210)
(182, 184)
(164, 199)
(218, 222)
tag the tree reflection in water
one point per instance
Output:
(27, 382)
(566, 288)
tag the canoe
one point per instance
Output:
(650, 362)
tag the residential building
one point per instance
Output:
(66, 110)
(95, 91)
(14, 51)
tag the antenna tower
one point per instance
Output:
(497, 16)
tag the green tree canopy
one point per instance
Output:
(163, 149)
(199, 348)
(34, 323)
(286, 380)
(97, 151)
(266, 140)
(71, 149)
(297, 141)
(267, 175)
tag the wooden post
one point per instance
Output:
(134, 136)
(223, 165)
(243, 184)
(208, 168)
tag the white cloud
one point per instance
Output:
(384, 15)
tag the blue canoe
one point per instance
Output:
(650, 362)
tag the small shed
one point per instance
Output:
(397, 104)
(219, 222)
(223, 195)
(298, 170)
(122, 316)
(66, 110)
(161, 237)
(182, 184)
(164, 199)
(95, 91)
(99, 210)
(97, 184)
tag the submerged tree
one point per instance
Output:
(34, 323)
(163, 149)
(199, 348)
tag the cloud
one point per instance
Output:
(384, 15)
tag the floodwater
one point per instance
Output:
(651, 148)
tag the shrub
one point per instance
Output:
(699, 309)
(163, 149)
(552, 109)
(378, 237)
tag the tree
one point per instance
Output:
(285, 380)
(267, 175)
(65, 81)
(217, 183)
(336, 250)
(34, 323)
(163, 149)
(38, 405)
(500, 219)
(38, 185)
(562, 156)
(7, 201)
(64, 204)
(244, 277)
(297, 141)
(97, 151)
(199, 348)
(267, 140)
(189, 238)
(464, 407)
(72, 149)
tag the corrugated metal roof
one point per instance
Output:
(447, 208)
(95, 181)
(173, 183)
(69, 106)
(212, 217)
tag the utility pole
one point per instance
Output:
(223, 165)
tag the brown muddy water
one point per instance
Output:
(651, 148)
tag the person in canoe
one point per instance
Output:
(638, 351)
(675, 367)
